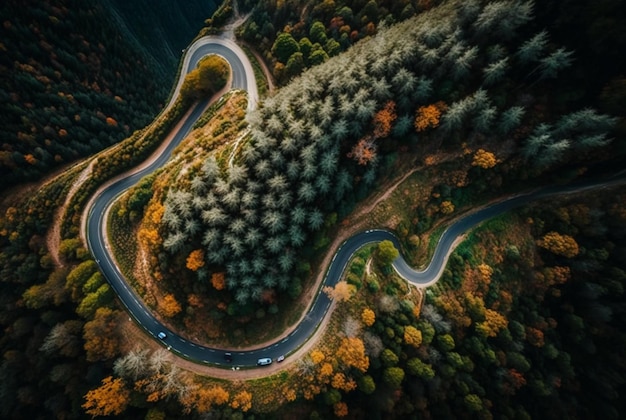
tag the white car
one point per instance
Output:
(162, 335)
(264, 361)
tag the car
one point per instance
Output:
(162, 335)
(228, 357)
(264, 361)
(280, 358)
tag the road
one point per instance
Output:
(243, 78)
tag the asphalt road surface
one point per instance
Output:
(243, 78)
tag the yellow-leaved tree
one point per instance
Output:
(110, 398)
(351, 353)
(368, 317)
(559, 244)
(484, 159)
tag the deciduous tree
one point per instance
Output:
(351, 353)
(484, 159)
(195, 260)
(111, 398)
(368, 317)
(341, 292)
(559, 244)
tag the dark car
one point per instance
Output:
(228, 357)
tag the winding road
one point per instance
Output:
(243, 78)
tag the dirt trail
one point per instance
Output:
(53, 238)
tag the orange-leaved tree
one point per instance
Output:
(383, 120)
(559, 244)
(169, 306)
(351, 353)
(111, 398)
(242, 401)
(218, 280)
(428, 116)
(364, 151)
(195, 260)
(484, 159)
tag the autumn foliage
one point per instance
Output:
(352, 353)
(428, 116)
(341, 292)
(368, 317)
(169, 306)
(364, 151)
(218, 280)
(484, 159)
(559, 244)
(111, 398)
(195, 260)
(383, 120)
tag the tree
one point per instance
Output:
(387, 252)
(494, 72)
(473, 402)
(532, 49)
(284, 47)
(559, 244)
(393, 376)
(412, 336)
(446, 207)
(169, 306)
(242, 401)
(368, 317)
(351, 353)
(218, 281)
(383, 120)
(101, 341)
(208, 78)
(317, 33)
(555, 62)
(111, 398)
(484, 159)
(427, 117)
(341, 292)
(367, 385)
(133, 366)
(364, 151)
(417, 367)
(195, 260)
(493, 324)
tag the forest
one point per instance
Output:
(425, 109)
(73, 81)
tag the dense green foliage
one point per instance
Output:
(536, 335)
(207, 79)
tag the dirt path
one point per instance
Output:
(53, 238)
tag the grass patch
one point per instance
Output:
(259, 75)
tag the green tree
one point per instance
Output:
(208, 78)
(284, 47)
(387, 252)
(317, 33)
(366, 384)
(393, 376)
(417, 367)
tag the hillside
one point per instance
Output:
(430, 112)
(74, 80)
